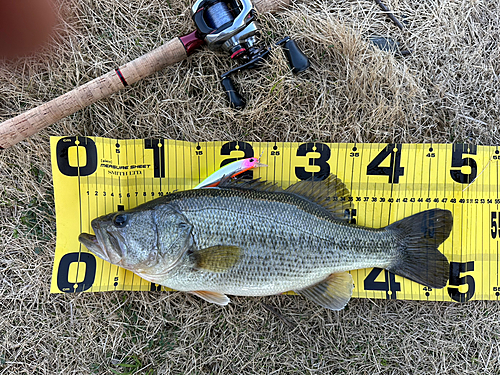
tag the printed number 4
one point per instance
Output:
(394, 170)
(390, 286)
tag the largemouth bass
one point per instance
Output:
(256, 239)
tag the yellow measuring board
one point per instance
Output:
(96, 176)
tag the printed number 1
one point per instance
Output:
(158, 156)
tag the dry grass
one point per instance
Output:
(446, 91)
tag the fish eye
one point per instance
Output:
(120, 220)
(252, 160)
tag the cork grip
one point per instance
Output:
(28, 123)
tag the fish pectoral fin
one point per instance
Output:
(216, 258)
(333, 293)
(213, 297)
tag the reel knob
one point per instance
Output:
(235, 99)
(296, 58)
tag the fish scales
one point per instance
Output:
(254, 239)
(287, 243)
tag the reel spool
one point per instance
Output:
(230, 25)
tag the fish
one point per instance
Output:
(254, 238)
(230, 170)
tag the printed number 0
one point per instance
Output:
(63, 282)
(62, 155)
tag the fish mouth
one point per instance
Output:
(92, 244)
(104, 244)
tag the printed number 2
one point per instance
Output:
(455, 270)
(229, 147)
(394, 170)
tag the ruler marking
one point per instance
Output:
(79, 209)
(117, 151)
(497, 197)
(106, 205)
(472, 202)
(199, 163)
(98, 212)
(354, 205)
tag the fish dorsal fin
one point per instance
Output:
(333, 293)
(213, 297)
(330, 193)
(255, 184)
(216, 258)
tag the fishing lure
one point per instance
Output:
(229, 171)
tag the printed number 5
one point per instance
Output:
(458, 161)
(455, 270)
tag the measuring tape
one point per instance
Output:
(96, 176)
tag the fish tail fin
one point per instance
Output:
(418, 257)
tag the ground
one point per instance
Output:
(444, 92)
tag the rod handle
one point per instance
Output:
(28, 123)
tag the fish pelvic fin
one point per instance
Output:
(213, 297)
(418, 257)
(216, 258)
(333, 293)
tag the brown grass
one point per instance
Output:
(446, 91)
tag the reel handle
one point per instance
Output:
(297, 61)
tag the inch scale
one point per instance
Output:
(96, 176)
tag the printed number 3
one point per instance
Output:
(321, 162)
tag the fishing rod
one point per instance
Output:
(227, 25)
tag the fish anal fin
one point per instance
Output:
(213, 297)
(216, 258)
(330, 193)
(333, 293)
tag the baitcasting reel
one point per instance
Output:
(231, 25)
